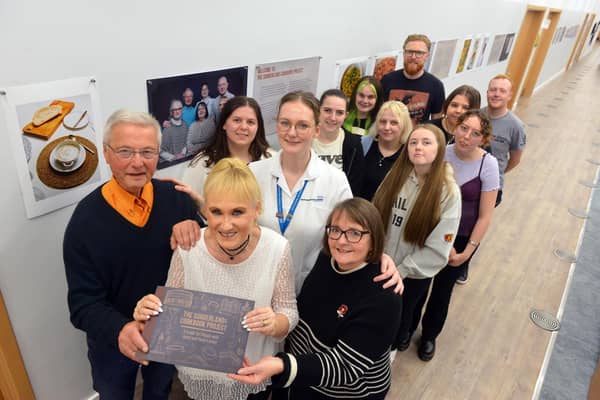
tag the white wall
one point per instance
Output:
(123, 43)
(558, 53)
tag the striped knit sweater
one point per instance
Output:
(340, 348)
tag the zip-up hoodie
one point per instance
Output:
(412, 261)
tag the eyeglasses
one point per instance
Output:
(176, 109)
(352, 235)
(415, 53)
(285, 126)
(126, 153)
(464, 128)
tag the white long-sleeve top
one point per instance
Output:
(265, 277)
(412, 261)
(325, 188)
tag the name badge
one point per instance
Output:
(316, 198)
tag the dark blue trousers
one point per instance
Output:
(114, 375)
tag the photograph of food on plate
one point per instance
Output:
(383, 66)
(350, 78)
(59, 144)
(55, 136)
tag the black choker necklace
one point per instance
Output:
(237, 251)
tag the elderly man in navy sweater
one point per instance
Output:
(116, 249)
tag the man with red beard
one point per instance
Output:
(421, 92)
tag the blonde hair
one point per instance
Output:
(232, 177)
(426, 212)
(401, 112)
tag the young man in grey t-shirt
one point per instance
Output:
(509, 131)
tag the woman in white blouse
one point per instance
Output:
(234, 256)
(240, 134)
(299, 189)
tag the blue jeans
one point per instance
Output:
(114, 375)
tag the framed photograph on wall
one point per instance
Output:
(443, 55)
(273, 80)
(485, 40)
(384, 63)
(55, 134)
(463, 55)
(497, 45)
(348, 72)
(187, 108)
(507, 47)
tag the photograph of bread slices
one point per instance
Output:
(46, 120)
(45, 114)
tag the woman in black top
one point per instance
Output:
(383, 144)
(461, 99)
(340, 348)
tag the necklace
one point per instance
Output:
(446, 125)
(237, 251)
(383, 157)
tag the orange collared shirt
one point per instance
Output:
(134, 209)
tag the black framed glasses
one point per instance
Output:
(415, 53)
(352, 235)
(125, 153)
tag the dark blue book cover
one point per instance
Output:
(198, 329)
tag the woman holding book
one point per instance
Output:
(235, 257)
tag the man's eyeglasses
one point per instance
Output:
(285, 126)
(415, 53)
(125, 153)
(352, 235)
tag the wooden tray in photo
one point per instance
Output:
(46, 130)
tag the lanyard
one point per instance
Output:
(284, 222)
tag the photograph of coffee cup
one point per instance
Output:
(67, 153)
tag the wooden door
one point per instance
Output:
(572, 58)
(584, 36)
(521, 54)
(14, 382)
(540, 54)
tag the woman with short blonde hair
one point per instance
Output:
(234, 256)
